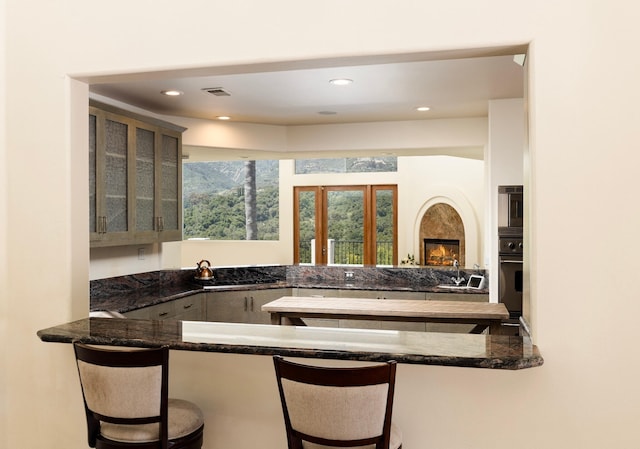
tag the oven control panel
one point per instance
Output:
(510, 245)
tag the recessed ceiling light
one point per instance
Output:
(171, 93)
(423, 108)
(223, 117)
(341, 81)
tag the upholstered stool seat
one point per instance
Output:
(184, 418)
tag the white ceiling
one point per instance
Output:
(295, 95)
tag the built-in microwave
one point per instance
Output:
(510, 210)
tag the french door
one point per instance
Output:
(345, 225)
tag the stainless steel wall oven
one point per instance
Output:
(510, 288)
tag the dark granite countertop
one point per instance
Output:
(125, 293)
(133, 299)
(462, 350)
(126, 301)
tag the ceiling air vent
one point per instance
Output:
(217, 91)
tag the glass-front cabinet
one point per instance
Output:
(135, 192)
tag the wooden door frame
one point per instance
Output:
(321, 220)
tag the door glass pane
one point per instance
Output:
(116, 176)
(307, 226)
(345, 227)
(92, 174)
(145, 183)
(170, 210)
(384, 227)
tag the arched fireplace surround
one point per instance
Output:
(442, 236)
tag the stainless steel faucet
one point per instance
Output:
(458, 280)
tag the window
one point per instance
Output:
(347, 165)
(231, 200)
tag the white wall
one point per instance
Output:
(4, 278)
(120, 260)
(505, 166)
(584, 396)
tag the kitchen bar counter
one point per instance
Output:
(426, 348)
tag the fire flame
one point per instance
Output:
(440, 255)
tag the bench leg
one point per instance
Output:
(495, 329)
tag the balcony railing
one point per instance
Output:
(347, 252)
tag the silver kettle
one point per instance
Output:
(204, 273)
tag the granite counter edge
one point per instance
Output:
(58, 334)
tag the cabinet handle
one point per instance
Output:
(245, 303)
(187, 306)
(252, 304)
(163, 314)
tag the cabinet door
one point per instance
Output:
(145, 183)
(161, 311)
(109, 156)
(228, 307)
(190, 308)
(169, 182)
(140, 314)
(242, 306)
(158, 180)
(258, 298)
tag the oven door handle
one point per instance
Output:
(510, 261)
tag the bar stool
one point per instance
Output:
(338, 407)
(126, 401)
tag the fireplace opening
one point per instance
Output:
(441, 252)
